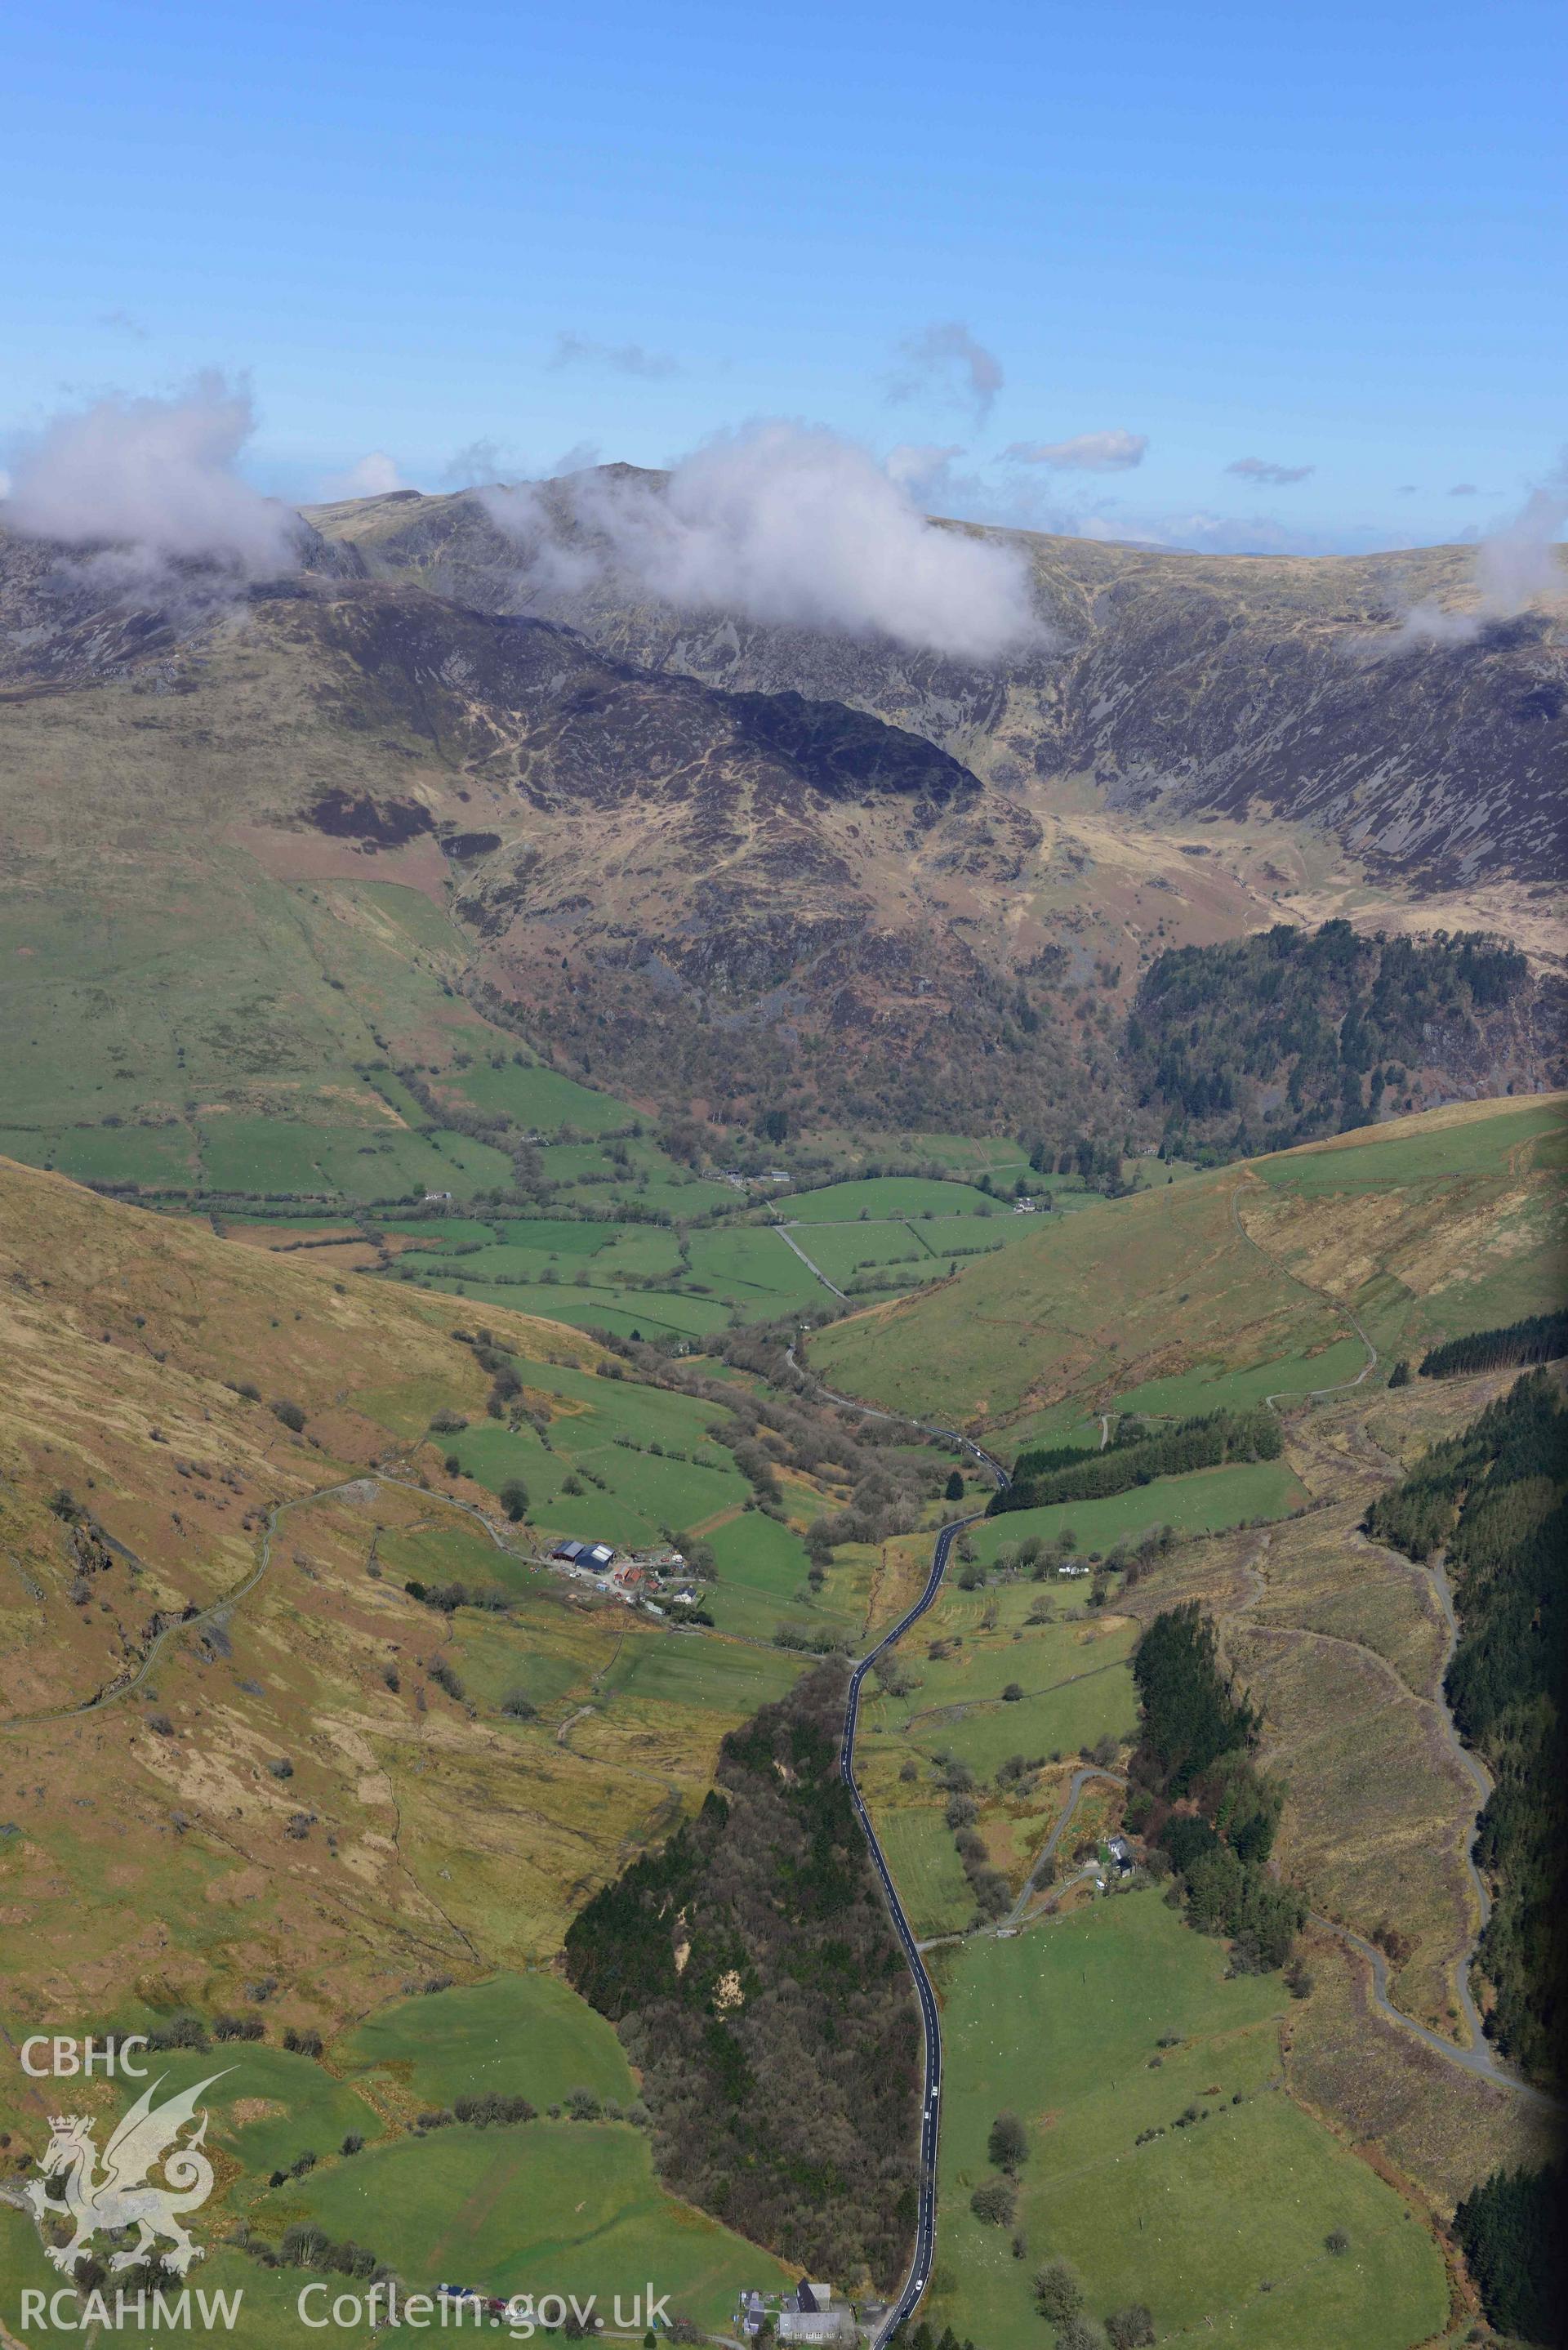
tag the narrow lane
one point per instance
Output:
(930, 2096)
(987, 1461)
(785, 1234)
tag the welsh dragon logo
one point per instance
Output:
(122, 2195)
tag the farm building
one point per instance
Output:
(595, 1557)
(828, 2327)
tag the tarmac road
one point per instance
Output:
(930, 2096)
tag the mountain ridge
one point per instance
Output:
(1181, 683)
(712, 894)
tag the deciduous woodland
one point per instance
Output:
(751, 1969)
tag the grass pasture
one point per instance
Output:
(602, 1432)
(1080, 1312)
(548, 2207)
(1224, 1286)
(266, 2301)
(1464, 1138)
(1075, 1675)
(926, 1867)
(875, 1198)
(1204, 1502)
(538, 1098)
(519, 2034)
(149, 1155)
(1219, 2227)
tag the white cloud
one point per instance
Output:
(372, 477)
(556, 566)
(945, 359)
(478, 460)
(620, 358)
(574, 460)
(1263, 468)
(1086, 453)
(789, 525)
(156, 476)
(916, 465)
(5, 485)
(1516, 564)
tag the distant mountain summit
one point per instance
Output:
(1176, 683)
(727, 867)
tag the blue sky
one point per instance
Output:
(1328, 239)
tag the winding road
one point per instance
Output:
(987, 1461)
(930, 2096)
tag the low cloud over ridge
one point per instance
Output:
(156, 476)
(1517, 565)
(788, 524)
(374, 476)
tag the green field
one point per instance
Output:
(1220, 2228)
(692, 1669)
(152, 1155)
(1049, 1721)
(1203, 1502)
(548, 2207)
(525, 2035)
(266, 2302)
(588, 1307)
(626, 1497)
(539, 1097)
(1210, 1385)
(266, 2109)
(759, 1554)
(1425, 1151)
(1078, 1311)
(877, 1197)
(926, 1867)
(542, 2206)
(1210, 1291)
(1075, 1675)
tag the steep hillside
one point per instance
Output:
(1250, 1280)
(1291, 1034)
(1179, 682)
(258, 1793)
(210, 1505)
(759, 871)
(263, 843)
